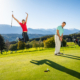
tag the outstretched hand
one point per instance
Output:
(26, 13)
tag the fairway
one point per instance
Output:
(31, 64)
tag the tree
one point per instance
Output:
(7, 45)
(2, 43)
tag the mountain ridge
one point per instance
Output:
(7, 29)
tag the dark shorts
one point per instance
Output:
(25, 36)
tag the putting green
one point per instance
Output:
(31, 64)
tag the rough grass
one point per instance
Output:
(31, 64)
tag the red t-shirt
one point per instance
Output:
(24, 26)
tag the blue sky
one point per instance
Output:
(45, 14)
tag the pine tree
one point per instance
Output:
(2, 43)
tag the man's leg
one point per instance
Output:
(21, 39)
(57, 44)
(26, 38)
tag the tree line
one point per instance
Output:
(46, 41)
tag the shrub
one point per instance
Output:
(28, 46)
(13, 47)
(49, 43)
(41, 44)
(35, 44)
(21, 45)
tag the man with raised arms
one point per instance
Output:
(24, 29)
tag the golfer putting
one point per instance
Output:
(24, 29)
(58, 38)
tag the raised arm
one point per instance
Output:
(15, 18)
(26, 17)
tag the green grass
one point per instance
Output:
(31, 64)
(70, 43)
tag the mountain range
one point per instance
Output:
(7, 29)
(11, 33)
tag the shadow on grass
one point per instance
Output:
(71, 56)
(57, 66)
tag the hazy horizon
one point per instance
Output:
(41, 28)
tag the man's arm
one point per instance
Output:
(15, 18)
(59, 35)
(26, 17)
(62, 36)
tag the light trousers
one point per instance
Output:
(57, 44)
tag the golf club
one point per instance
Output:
(11, 19)
(62, 47)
